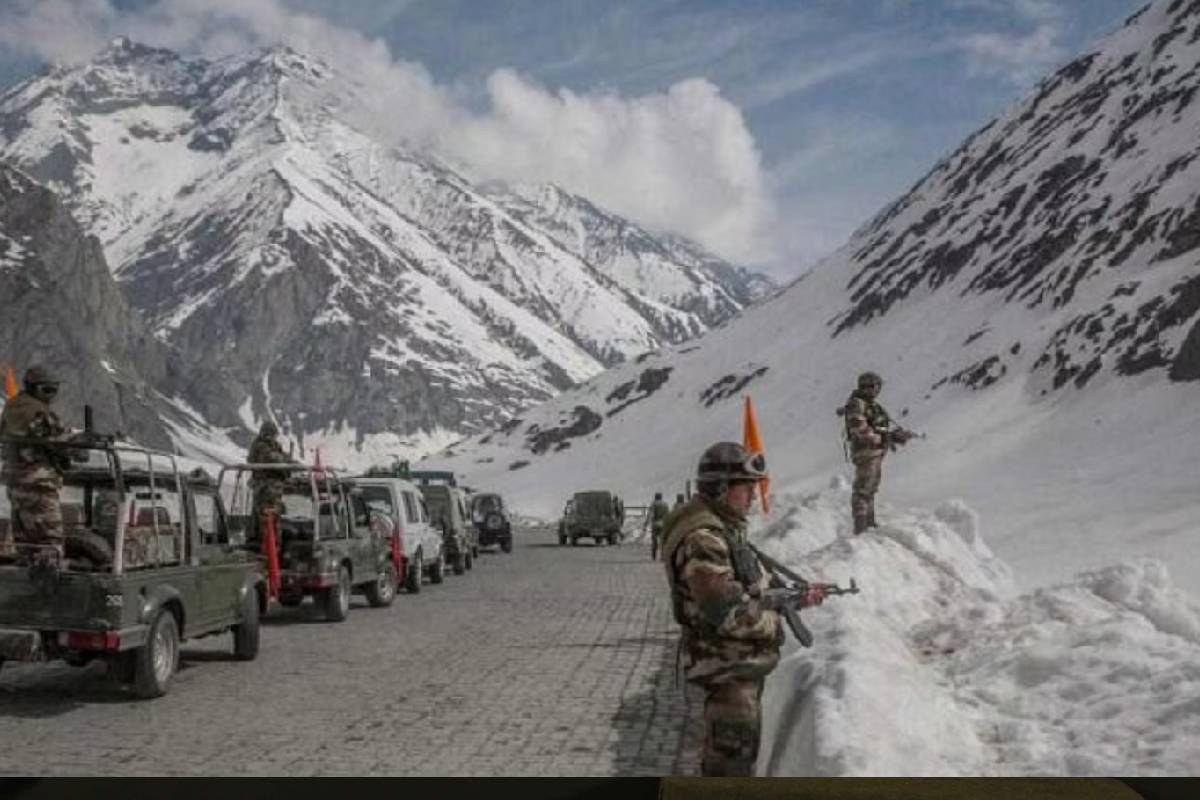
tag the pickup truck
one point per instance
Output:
(145, 565)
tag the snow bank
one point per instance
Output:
(939, 667)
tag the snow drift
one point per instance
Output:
(939, 667)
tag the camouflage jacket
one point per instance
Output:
(865, 421)
(266, 450)
(26, 417)
(727, 632)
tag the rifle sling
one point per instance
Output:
(776, 567)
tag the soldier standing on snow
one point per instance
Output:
(656, 515)
(870, 434)
(731, 635)
(34, 475)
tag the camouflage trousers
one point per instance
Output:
(868, 472)
(732, 727)
(36, 508)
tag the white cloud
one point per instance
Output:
(1019, 58)
(682, 160)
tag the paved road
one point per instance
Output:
(548, 661)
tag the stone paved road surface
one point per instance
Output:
(548, 661)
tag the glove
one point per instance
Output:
(814, 595)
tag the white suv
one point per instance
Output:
(402, 502)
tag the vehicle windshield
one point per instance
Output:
(438, 500)
(594, 503)
(487, 503)
(379, 498)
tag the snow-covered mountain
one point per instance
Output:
(1033, 304)
(360, 293)
(62, 309)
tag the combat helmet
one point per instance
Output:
(728, 462)
(38, 375)
(869, 379)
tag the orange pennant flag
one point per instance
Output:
(10, 384)
(752, 441)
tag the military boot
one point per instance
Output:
(871, 519)
(861, 523)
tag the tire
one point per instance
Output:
(460, 564)
(438, 573)
(246, 632)
(612, 540)
(92, 546)
(381, 593)
(335, 601)
(412, 580)
(469, 560)
(156, 661)
(506, 545)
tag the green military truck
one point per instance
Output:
(598, 515)
(146, 564)
(328, 543)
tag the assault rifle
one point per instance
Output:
(895, 435)
(787, 594)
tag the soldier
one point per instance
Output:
(34, 475)
(731, 636)
(267, 486)
(655, 516)
(870, 434)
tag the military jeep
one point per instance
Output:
(327, 543)
(145, 565)
(491, 521)
(598, 515)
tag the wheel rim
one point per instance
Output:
(164, 654)
(344, 592)
(385, 584)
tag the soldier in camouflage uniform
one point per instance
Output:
(34, 475)
(870, 434)
(656, 515)
(730, 634)
(267, 486)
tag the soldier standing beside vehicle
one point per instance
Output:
(34, 475)
(731, 636)
(656, 515)
(870, 434)
(267, 485)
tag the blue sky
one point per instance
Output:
(846, 102)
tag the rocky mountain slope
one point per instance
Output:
(367, 297)
(1033, 304)
(62, 308)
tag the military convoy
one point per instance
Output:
(147, 563)
(153, 557)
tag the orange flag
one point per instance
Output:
(10, 384)
(752, 441)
